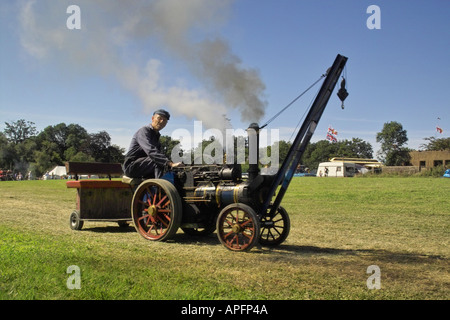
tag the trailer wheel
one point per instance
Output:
(238, 227)
(274, 230)
(156, 209)
(75, 222)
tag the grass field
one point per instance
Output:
(339, 227)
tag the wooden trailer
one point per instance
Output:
(99, 199)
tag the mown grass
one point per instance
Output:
(339, 227)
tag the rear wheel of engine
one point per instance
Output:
(156, 209)
(274, 230)
(238, 227)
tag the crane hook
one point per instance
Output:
(342, 93)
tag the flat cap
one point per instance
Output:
(162, 112)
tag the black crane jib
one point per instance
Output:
(290, 163)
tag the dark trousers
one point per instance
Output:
(142, 168)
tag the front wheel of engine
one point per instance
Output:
(238, 227)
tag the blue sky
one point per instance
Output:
(126, 60)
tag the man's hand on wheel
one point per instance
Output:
(176, 164)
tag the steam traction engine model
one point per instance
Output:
(202, 199)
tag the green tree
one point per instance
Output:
(355, 148)
(65, 137)
(18, 145)
(20, 130)
(101, 150)
(56, 135)
(22, 148)
(77, 137)
(24, 155)
(318, 152)
(116, 154)
(436, 144)
(392, 138)
(98, 146)
(46, 158)
(167, 145)
(7, 153)
(72, 154)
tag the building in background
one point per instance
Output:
(430, 159)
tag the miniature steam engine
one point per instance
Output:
(211, 196)
(201, 199)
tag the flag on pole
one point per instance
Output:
(438, 127)
(331, 138)
(331, 134)
(332, 131)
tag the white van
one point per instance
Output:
(336, 169)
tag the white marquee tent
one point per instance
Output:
(56, 173)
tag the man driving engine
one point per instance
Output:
(144, 158)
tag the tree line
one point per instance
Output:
(24, 149)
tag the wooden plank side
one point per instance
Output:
(106, 203)
(93, 168)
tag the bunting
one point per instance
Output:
(438, 127)
(331, 134)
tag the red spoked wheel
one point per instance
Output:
(156, 209)
(275, 229)
(238, 227)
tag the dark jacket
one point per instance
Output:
(145, 143)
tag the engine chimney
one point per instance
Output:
(253, 150)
